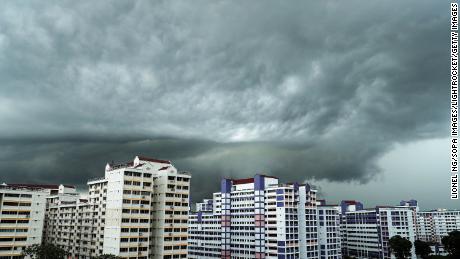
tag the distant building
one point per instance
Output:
(350, 205)
(69, 224)
(366, 232)
(432, 226)
(347, 206)
(204, 234)
(206, 205)
(409, 203)
(256, 218)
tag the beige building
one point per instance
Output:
(137, 210)
(22, 212)
(69, 224)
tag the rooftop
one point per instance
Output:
(21, 188)
(249, 180)
(243, 181)
(38, 186)
(112, 166)
(144, 158)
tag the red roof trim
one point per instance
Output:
(154, 160)
(243, 181)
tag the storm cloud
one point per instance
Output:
(296, 89)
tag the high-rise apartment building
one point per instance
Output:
(204, 231)
(22, 213)
(74, 223)
(256, 218)
(147, 210)
(69, 225)
(432, 226)
(366, 232)
(329, 242)
(137, 210)
(347, 206)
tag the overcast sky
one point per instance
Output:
(350, 95)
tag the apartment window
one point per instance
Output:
(7, 203)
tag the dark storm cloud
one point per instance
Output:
(76, 161)
(297, 89)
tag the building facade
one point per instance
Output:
(204, 233)
(22, 213)
(432, 226)
(137, 210)
(366, 232)
(69, 225)
(329, 242)
(256, 218)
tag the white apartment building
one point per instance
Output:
(256, 218)
(329, 242)
(137, 210)
(22, 213)
(76, 223)
(69, 223)
(69, 226)
(72, 223)
(97, 199)
(367, 231)
(204, 232)
(206, 205)
(432, 226)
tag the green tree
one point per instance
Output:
(400, 246)
(45, 251)
(106, 256)
(422, 249)
(451, 243)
